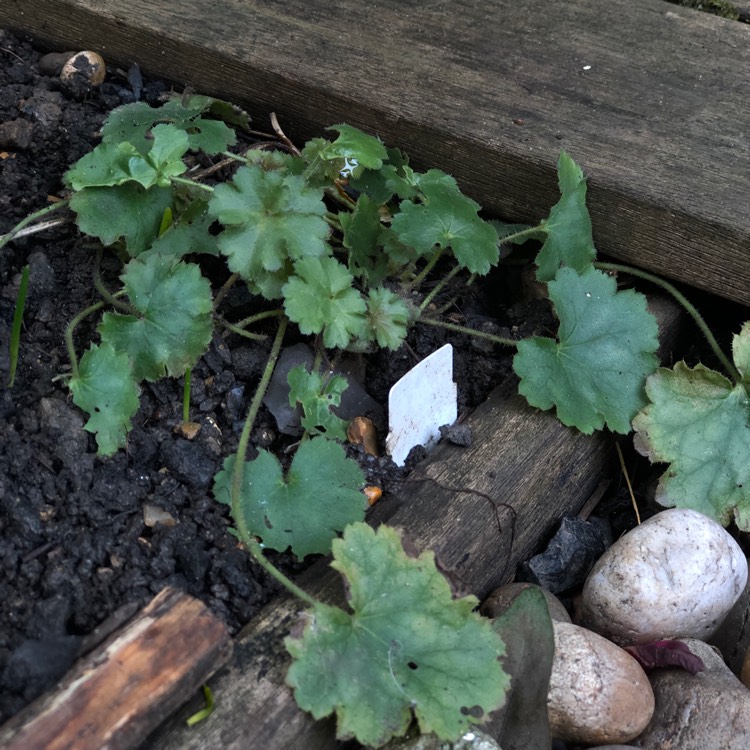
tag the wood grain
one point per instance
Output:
(125, 688)
(649, 97)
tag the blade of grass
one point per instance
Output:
(15, 334)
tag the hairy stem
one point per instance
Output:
(225, 287)
(108, 296)
(469, 331)
(15, 333)
(69, 335)
(241, 331)
(439, 287)
(245, 322)
(191, 183)
(239, 469)
(524, 233)
(687, 305)
(6, 238)
(422, 275)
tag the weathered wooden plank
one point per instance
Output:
(123, 689)
(651, 99)
(482, 509)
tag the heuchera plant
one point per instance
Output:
(338, 239)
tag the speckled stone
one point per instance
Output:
(598, 693)
(676, 575)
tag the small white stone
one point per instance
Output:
(676, 575)
(598, 693)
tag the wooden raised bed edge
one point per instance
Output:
(649, 101)
(122, 690)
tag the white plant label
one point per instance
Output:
(420, 403)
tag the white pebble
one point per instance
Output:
(676, 575)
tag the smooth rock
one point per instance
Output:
(598, 693)
(707, 711)
(502, 598)
(676, 575)
(733, 637)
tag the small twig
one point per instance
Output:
(40, 227)
(627, 481)
(30, 219)
(282, 135)
(10, 52)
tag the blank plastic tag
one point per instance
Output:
(420, 403)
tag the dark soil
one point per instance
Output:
(74, 548)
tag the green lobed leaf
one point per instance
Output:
(569, 240)
(190, 234)
(388, 317)
(447, 219)
(175, 325)
(594, 374)
(165, 156)
(269, 218)
(117, 163)
(318, 398)
(307, 507)
(362, 237)
(319, 297)
(407, 645)
(106, 390)
(360, 150)
(394, 178)
(108, 164)
(131, 123)
(699, 423)
(126, 211)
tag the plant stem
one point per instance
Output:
(15, 333)
(225, 287)
(688, 306)
(186, 395)
(523, 233)
(469, 331)
(108, 296)
(258, 316)
(69, 335)
(191, 183)
(420, 277)
(239, 469)
(6, 238)
(439, 287)
(234, 157)
(241, 331)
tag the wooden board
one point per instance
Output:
(114, 696)
(652, 99)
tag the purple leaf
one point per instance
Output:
(666, 654)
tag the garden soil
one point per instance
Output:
(76, 554)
